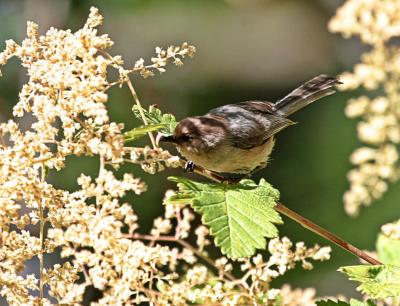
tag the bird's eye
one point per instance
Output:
(186, 138)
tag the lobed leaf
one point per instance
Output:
(155, 116)
(378, 282)
(239, 216)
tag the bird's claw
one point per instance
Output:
(189, 166)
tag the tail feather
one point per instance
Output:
(307, 93)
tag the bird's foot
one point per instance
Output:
(189, 166)
(234, 179)
(231, 181)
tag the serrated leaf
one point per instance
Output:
(378, 282)
(140, 131)
(388, 250)
(155, 116)
(240, 216)
(353, 302)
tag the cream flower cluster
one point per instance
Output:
(374, 21)
(92, 228)
(392, 230)
(377, 163)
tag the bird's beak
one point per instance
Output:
(170, 138)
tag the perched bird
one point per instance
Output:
(238, 138)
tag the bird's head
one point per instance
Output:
(197, 134)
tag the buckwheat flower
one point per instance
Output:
(201, 233)
(362, 155)
(392, 230)
(15, 288)
(184, 225)
(161, 226)
(357, 106)
(173, 53)
(171, 210)
(197, 275)
(321, 254)
(9, 51)
(283, 257)
(188, 256)
(61, 280)
(94, 19)
(223, 266)
(298, 297)
(273, 293)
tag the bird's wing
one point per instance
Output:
(264, 107)
(251, 123)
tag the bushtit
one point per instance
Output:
(238, 138)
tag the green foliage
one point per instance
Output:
(353, 302)
(388, 250)
(140, 131)
(154, 116)
(378, 282)
(239, 216)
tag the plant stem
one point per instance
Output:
(137, 101)
(135, 97)
(41, 237)
(325, 233)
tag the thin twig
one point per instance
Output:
(136, 98)
(41, 237)
(325, 234)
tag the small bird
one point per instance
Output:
(238, 138)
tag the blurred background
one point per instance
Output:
(246, 49)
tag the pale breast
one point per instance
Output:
(229, 159)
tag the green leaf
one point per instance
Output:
(353, 302)
(155, 116)
(378, 282)
(388, 250)
(140, 131)
(240, 216)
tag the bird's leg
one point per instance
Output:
(189, 166)
(229, 180)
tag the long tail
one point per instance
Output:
(307, 93)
